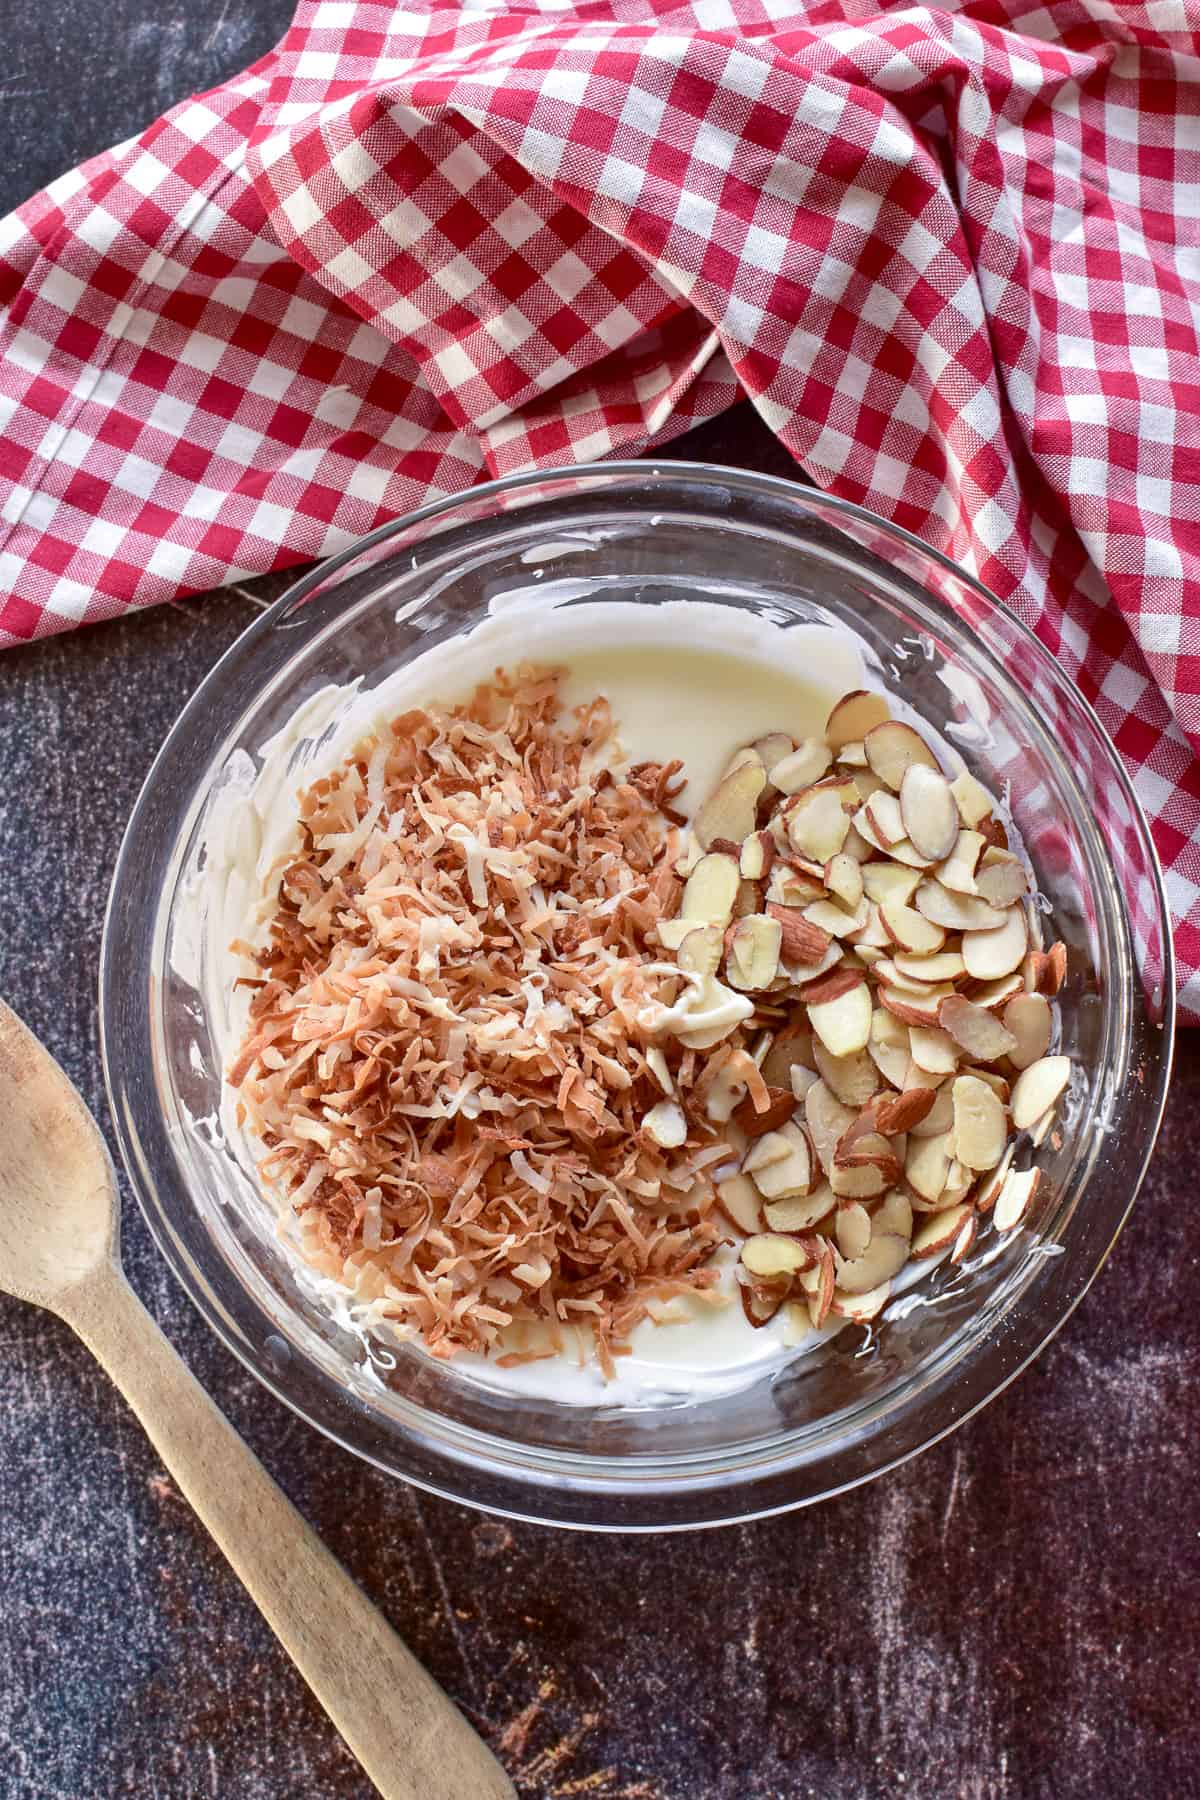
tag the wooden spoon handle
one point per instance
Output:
(409, 1738)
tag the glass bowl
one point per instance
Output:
(640, 534)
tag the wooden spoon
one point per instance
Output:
(59, 1214)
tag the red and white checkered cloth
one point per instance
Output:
(951, 253)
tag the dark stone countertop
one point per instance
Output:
(1013, 1616)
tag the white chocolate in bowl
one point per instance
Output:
(693, 681)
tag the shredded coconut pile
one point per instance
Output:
(448, 1061)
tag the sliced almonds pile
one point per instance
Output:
(862, 912)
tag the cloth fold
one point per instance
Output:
(951, 254)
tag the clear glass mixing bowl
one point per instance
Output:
(640, 534)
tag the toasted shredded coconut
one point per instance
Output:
(449, 1053)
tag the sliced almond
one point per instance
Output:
(801, 767)
(956, 912)
(1003, 882)
(927, 1164)
(761, 1300)
(994, 995)
(929, 813)
(966, 1237)
(800, 1212)
(891, 1061)
(909, 929)
(938, 1231)
(830, 985)
(860, 1309)
(1028, 1019)
(901, 1112)
(857, 846)
(933, 1048)
(943, 965)
(770, 1254)
(894, 1214)
(883, 881)
(1038, 1088)
(1017, 1194)
(817, 823)
(852, 755)
(776, 1175)
(844, 879)
(958, 870)
(883, 1258)
(893, 748)
(866, 1149)
(890, 976)
(853, 1230)
(990, 1187)
(980, 1033)
(881, 821)
(828, 916)
(1055, 969)
(666, 1125)
(731, 809)
(886, 1029)
(757, 855)
(791, 1045)
(699, 952)
(710, 891)
(801, 1079)
(853, 1079)
(781, 1104)
(800, 940)
(786, 886)
(818, 1283)
(992, 953)
(980, 1124)
(741, 1202)
(974, 802)
(992, 1077)
(827, 1120)
(1039, 1131)
(914, 1009)
(853, 716)
(752, 949)
(772, 749)
(939, 1120)
(844, 1023)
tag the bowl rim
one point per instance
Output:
(748, 1479)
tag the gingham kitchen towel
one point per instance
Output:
(951, 254)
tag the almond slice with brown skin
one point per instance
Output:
(915, 1009)
(853, 1079)
(933, 1049)
(994, 995)
(731, 809)
(772, 749)
(882, 819)
(862, 1181)
(1027, 1017)
(761, 1300)
(800, 1212)
(956, 912)
(860, 1309)
(992, 953)
(828, 916)
(699, 953)
(710, 891)
(827, 1120)
(965, 1239)
(883, 1258)
(980, 1124)
(942, 965)
(830, 985)
(939, 1120)
(938, 1231)
(892, 748)
(883, 881)
(781, 1104)
(853, 1230)
(909, 929)
(901, 1112)
(1003, 882)
(821, 1290)
(989, 1188)
(927, 1164)
(791, 1045)
(1017, 1194)
(891, 1061)
(958, 870)
(770, 1255)
(929, 813)
(752, 951)
(844, 879)
(852, 755)
(979, 1032)
(1054, 972)
(853, 716)
(756, 856)
(817, 823)
(800, 940)
(741, 1203)
(843, 1024)
(801, 768)
(776, 1175)
(894, 1214)
(1037, 1089)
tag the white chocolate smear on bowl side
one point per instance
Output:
(700, 704)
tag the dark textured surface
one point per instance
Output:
(1015, 1616)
